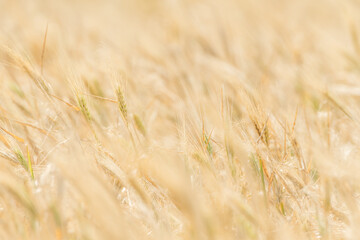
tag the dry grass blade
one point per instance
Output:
(43, 131)
(43, 50)
(102, 98)
(19, 139)
(67, 103)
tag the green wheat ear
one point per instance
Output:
(139, 125)
(21, 159)
(122, 104)
(84, 108)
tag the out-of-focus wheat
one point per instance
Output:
(236, 119)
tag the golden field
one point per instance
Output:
(179, 119)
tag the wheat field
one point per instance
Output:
(179, 119)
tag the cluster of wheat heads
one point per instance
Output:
(201, 119)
